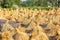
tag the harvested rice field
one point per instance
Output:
(28, 24)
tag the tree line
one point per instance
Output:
(29, 3)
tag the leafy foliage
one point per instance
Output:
(7, 3)
(29, 3)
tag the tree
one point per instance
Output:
(7, 3)
(17, 2)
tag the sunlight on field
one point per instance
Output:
(28, 24)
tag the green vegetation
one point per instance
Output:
(29, 3)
